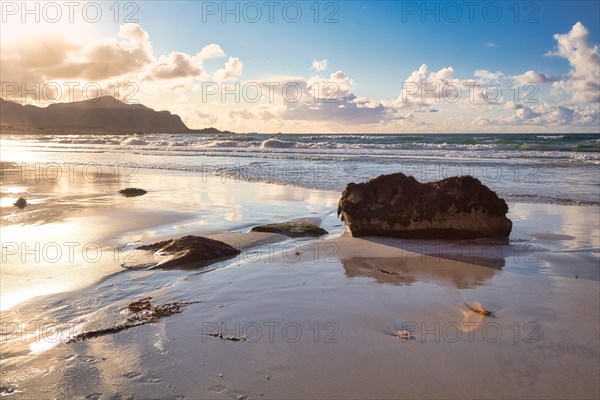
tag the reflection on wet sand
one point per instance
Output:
(51, 193)
(487, 252)
(396, 271)
(401, 262)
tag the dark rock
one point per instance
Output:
(191, 251)
(132, 192)
(21, 203)
(398, 205)
(292, 229)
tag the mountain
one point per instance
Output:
(101, 114)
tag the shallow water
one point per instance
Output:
(74, 233)
(525, 167)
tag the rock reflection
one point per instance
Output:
(404, 271)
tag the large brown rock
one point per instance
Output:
(398, 205)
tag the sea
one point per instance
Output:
(540, 168)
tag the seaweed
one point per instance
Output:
(479, 310)
(143, 314)
(227, 337)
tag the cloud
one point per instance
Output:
(326, 101)
(210, 51)
(547, 115)
(337, 85)
(583, 80)
(54, 58)
(345, 110)
(108, 59)
(490, 44)
(206, 117)
(175, 65)
(533, 77)
(421, 89)
(127, 58)
(487, 75)
(319, 66)
(232, 70)
(181, 65)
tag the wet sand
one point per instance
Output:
(319, 316)
(79, 222)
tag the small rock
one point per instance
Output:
(132, 192)
(404, 334)
(21, 203)
(292, 229)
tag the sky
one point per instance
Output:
(316, 66)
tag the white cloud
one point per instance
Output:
(318, 100)
(48, 58)
(337, 85)
(487, 75)
(319, 66)
(422, 89)
(440, 87)
(583, 80)
(124, 60)
(232, 70)
(531, 76)
(489, 44)
(548, 115)
(175, 65)
(180, 65)
(210, 51)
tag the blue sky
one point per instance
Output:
(371, 36)
(371, 50)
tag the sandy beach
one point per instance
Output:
(318, 317)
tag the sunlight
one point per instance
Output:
(21, 21)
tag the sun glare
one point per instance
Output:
(26, 21)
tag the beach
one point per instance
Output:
(300, 200)
(302, 318)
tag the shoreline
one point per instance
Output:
(235, 177)
(159, 221)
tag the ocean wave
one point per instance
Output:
(221, 143)
(551, 137)
(277, 144)
(134, 141)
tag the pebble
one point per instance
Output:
(404, 334)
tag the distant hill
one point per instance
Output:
(105, 114)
